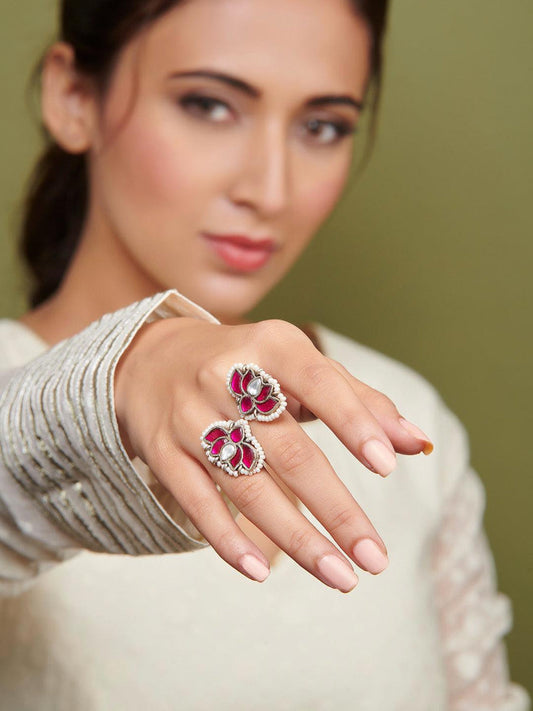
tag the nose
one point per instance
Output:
(261, 179)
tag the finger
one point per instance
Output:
(263, 502)
(322, 390)
(194, 489)
(327, 393)
(298, 411)
(406, 437)
(270, 510)
(307, 472)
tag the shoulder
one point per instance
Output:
(18, 344)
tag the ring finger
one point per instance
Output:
(263, 502)
(304, 468)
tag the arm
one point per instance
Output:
(474, 616)
(66, 482)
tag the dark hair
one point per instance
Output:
(56, 202)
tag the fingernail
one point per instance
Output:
(417, 432)
(254, 567)
(369, 556)
(379, 456)
(338, 573)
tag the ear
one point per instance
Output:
(67, 102)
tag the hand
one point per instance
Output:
(170, 385)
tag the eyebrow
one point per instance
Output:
(256, 93)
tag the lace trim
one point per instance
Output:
(473, 615)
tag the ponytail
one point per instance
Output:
(54, 212)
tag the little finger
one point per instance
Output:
(405, 436)
(304, 468)
(194, 489)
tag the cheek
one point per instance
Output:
(319, 197)
(322, 198)
(146, 168)
(152, 175)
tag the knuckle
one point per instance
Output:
(369, 395)
(355, 420)
(161, 451)
(200, 509)
(381, 401)
(337, 364)
(340, 518)
(210, 370)
(278, 330)
(315, 375)
(362, 423)
(299, 542)
(247, 496)
(226, 541)
(294, 454)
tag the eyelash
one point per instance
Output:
(342, 128)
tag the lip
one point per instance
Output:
(240, 251)
(264, 243)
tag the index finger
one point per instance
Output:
(307, 375)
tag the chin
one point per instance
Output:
(228, 300)
(229, 313)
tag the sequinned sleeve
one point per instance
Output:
(474, 616)
(66, 481)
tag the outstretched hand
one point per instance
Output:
(170, 385)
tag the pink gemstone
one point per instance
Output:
(215, 433)
(248, 455)
(237, 458)
(246, 379)
(265, 392)
(237, 434)
(215, 449)
(267, 406)
(236, 382)
(246, 404)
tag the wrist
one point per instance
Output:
(141, 352)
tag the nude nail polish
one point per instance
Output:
(369, 556)
(254, 567)
(379, 456)
(337, 573)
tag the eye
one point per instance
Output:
(205, 107)
(330, 132)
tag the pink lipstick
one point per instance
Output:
(240, 251)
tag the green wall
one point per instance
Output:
(427, 258)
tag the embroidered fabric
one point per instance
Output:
(474, 616)
(66, 482)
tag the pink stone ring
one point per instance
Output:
(258, 394)
(232, 447)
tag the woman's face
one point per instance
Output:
(264, 154)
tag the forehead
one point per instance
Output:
(306, 45)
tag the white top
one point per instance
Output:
(110, 601)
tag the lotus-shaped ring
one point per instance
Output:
(232, 447)
(258, 394)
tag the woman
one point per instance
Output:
(174, 126)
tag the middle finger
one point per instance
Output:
(264, 503)
(304, 468)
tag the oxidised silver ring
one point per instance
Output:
(232, 447)
(257, 393)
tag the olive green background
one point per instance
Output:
(428, 256)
